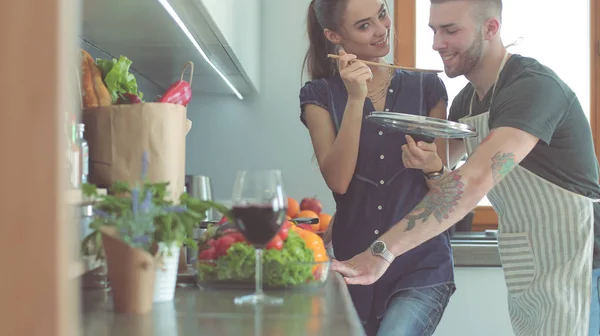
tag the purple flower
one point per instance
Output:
(135, 199)
(145, 164)
(147, 203)
(143, 239)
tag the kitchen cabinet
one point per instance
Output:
(156, 36)
(239, 25)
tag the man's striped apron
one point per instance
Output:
(545, 240)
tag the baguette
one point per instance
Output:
(88, 94)
(104, 98)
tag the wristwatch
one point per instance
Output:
(379, 248)
(435, 175)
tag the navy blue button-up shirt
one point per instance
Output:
(383, 191)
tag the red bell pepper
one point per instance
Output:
(179, 92)
(223, 220)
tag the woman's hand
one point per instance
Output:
(421, 155)
(355, 75)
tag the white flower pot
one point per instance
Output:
(166, 274)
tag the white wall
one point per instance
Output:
(479, 306)
(263, 131)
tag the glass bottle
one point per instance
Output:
(75, 156)
(84, 153)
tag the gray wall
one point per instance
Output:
(262, 131)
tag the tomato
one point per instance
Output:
(275, 243)
(208, 254)
(223, 244)
(285, 230)
(238, 236)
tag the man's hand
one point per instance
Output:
(362, 269)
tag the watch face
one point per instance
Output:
(435, 176)
(378, 247)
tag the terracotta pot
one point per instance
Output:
(131, 272)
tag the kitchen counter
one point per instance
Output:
(475, 249)
(324, 311)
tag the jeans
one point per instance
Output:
(595, 308)
(412, 312)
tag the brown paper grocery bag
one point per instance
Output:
(118, 135)
(131, 272)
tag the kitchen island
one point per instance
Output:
(323, 311)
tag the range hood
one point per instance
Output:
(145, 32)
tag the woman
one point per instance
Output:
(362, 163)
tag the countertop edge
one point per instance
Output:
(350, 311)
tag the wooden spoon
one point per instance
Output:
(389, 65)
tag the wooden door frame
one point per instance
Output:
(36, 234)
(405, 54)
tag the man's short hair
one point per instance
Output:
(485, 8)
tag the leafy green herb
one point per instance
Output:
(144, 214)
(117, 77)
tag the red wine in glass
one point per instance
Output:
(259, 208)
(259, 223)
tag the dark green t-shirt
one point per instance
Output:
(531, 97)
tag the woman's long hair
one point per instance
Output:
(322, 14)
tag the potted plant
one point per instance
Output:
(141, 232)
(124, 226)
(173, 229)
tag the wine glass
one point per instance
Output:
(259, 208)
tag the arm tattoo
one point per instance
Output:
(439, 202)
(502, 164)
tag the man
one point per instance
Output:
(533, 157)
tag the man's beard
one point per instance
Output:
(468, 59)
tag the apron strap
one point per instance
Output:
(506, 54)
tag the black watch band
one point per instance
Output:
(436, 174)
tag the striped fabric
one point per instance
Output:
(545, 241)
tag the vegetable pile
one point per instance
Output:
(288, 260)
(106, 82)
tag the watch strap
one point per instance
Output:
(387, 255)
(436, 174)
